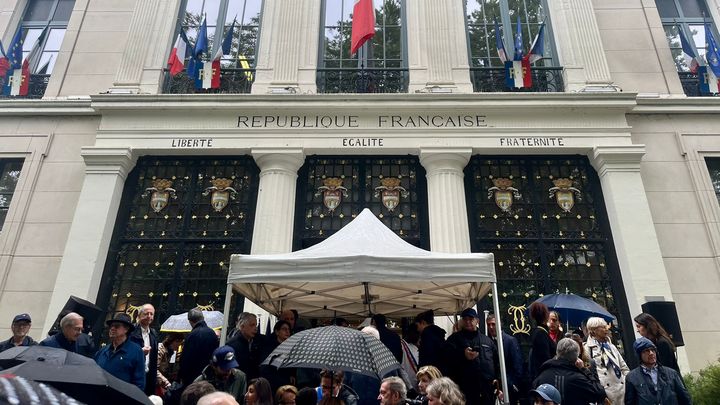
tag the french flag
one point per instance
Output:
(538, 46)
(517, 74)
(499, 44)
(690, 56)
(176, 62)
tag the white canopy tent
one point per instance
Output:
(364, 268)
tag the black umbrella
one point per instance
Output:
(18, 355)
(87, 383)
(334, 348)
(18, 390)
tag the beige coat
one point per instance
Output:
(614, 386)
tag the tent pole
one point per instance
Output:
(226, 314)
(501, 348)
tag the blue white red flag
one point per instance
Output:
(208, 76)
(690, 57)
(708, 81)
(517, 74)
(518, 41)
(712, 54)
(500, 44)
(538, 46)
(178, 54)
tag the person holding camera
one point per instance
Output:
(473, 361)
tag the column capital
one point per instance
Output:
(278, 159)
(625, 158)
(443, 159)
(117, 161)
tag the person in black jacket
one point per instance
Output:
(652, 383)
(197, 349)
(566, 372)
(542, 346)
(248, 345)
(432, 339)
(648, 327)
(513, 358)
(389, 338)
(472, 361)
(147, 338)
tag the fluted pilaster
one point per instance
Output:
(447, 209)
(141, 29)
(275, 212)
(586, 38)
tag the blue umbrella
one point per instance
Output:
(575, 309)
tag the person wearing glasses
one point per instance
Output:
(223, 374)
(20, 327)
(71, 327)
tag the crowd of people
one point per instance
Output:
(460, 369)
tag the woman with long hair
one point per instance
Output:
(610, 365)
(542, 346)
(649, 327)
(259, 392)
(276, 377)
(165, 373)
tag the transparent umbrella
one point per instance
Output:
(180, 323)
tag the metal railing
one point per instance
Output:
(36, 88)
(691, 85)
(232, 81)
(544, 80)
(368, 80)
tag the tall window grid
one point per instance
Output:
(54, 14)
(9, 176)
(689, 16)
(480, 18)
(713, 165)
(385, 50)
(222, 13)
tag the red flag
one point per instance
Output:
(4, 66)
(363, 24)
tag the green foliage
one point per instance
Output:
(704, 387)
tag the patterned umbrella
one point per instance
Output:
(180, 323)
(334, 348)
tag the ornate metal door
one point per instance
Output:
(545, 221)
(179, 221)
(333, 190)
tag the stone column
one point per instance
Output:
(447, 209)
(633, 231)
(142, 26)
(275, 212)
(87, 247)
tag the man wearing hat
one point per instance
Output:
(223, 374)
(121, 357)
(473, 361)
(545, 394)
(20, 327)
(652, 383)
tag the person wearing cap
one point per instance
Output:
(546, 394)
(652, 383)
(20, 327)
(223, 374)
(568, 374)
(472, 361)
(121, 357)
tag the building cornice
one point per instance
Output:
(41, 107)
(676, 105)
(340, 102)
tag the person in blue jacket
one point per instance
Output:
(121, 357)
